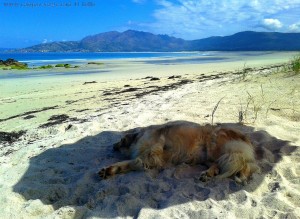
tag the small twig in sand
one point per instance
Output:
(262, 92)
(269, 107)
(256, 107)
(241, 116)
(214, 110)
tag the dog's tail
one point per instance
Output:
(238, 157)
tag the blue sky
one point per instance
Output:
(28, 22)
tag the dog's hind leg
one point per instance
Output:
(243, 176)
(121, 167)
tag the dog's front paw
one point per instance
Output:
(241, 180)
(212, 171)
(204, 176)
(104, 173)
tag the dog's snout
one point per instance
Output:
(116, 147)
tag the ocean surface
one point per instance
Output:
(50, 58)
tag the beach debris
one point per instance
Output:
(29, 117)
(203, 78)
(107, 93)
(132, 89)
(81, 110)
(74, 101)
(68, 127)
(174, 76)
(274, 186)
(11, 137)
(275, 109)
(164, 88)
(55, 120)
(115, 92)
(147, 90)
(95, 63)
(71, 101)
(59, 117)
(89, 82)
(152, 78)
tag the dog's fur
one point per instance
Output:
(227, 152)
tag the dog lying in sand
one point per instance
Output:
(226, 152)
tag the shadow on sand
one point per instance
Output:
(67, 176)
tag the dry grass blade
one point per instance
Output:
(214, 110)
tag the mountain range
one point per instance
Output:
(138, 41)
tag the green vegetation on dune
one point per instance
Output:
(95, 63)
(292, 67)
(295, 64)
(45, 67)
(12, 64)
(61, 65)
(19, 67)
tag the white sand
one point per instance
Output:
(51, 172)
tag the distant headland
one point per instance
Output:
(138, 41)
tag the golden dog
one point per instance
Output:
(227, 152)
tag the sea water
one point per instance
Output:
(53, 58)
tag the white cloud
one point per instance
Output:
(46, 41)
(295, 27)
(272, 24)
(273, 6)
(192, 19)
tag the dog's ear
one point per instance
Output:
(126, 141)
(117, 145)
(222, 133)
(233, 134)
(129, 139)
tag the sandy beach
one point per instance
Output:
(62, 129)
